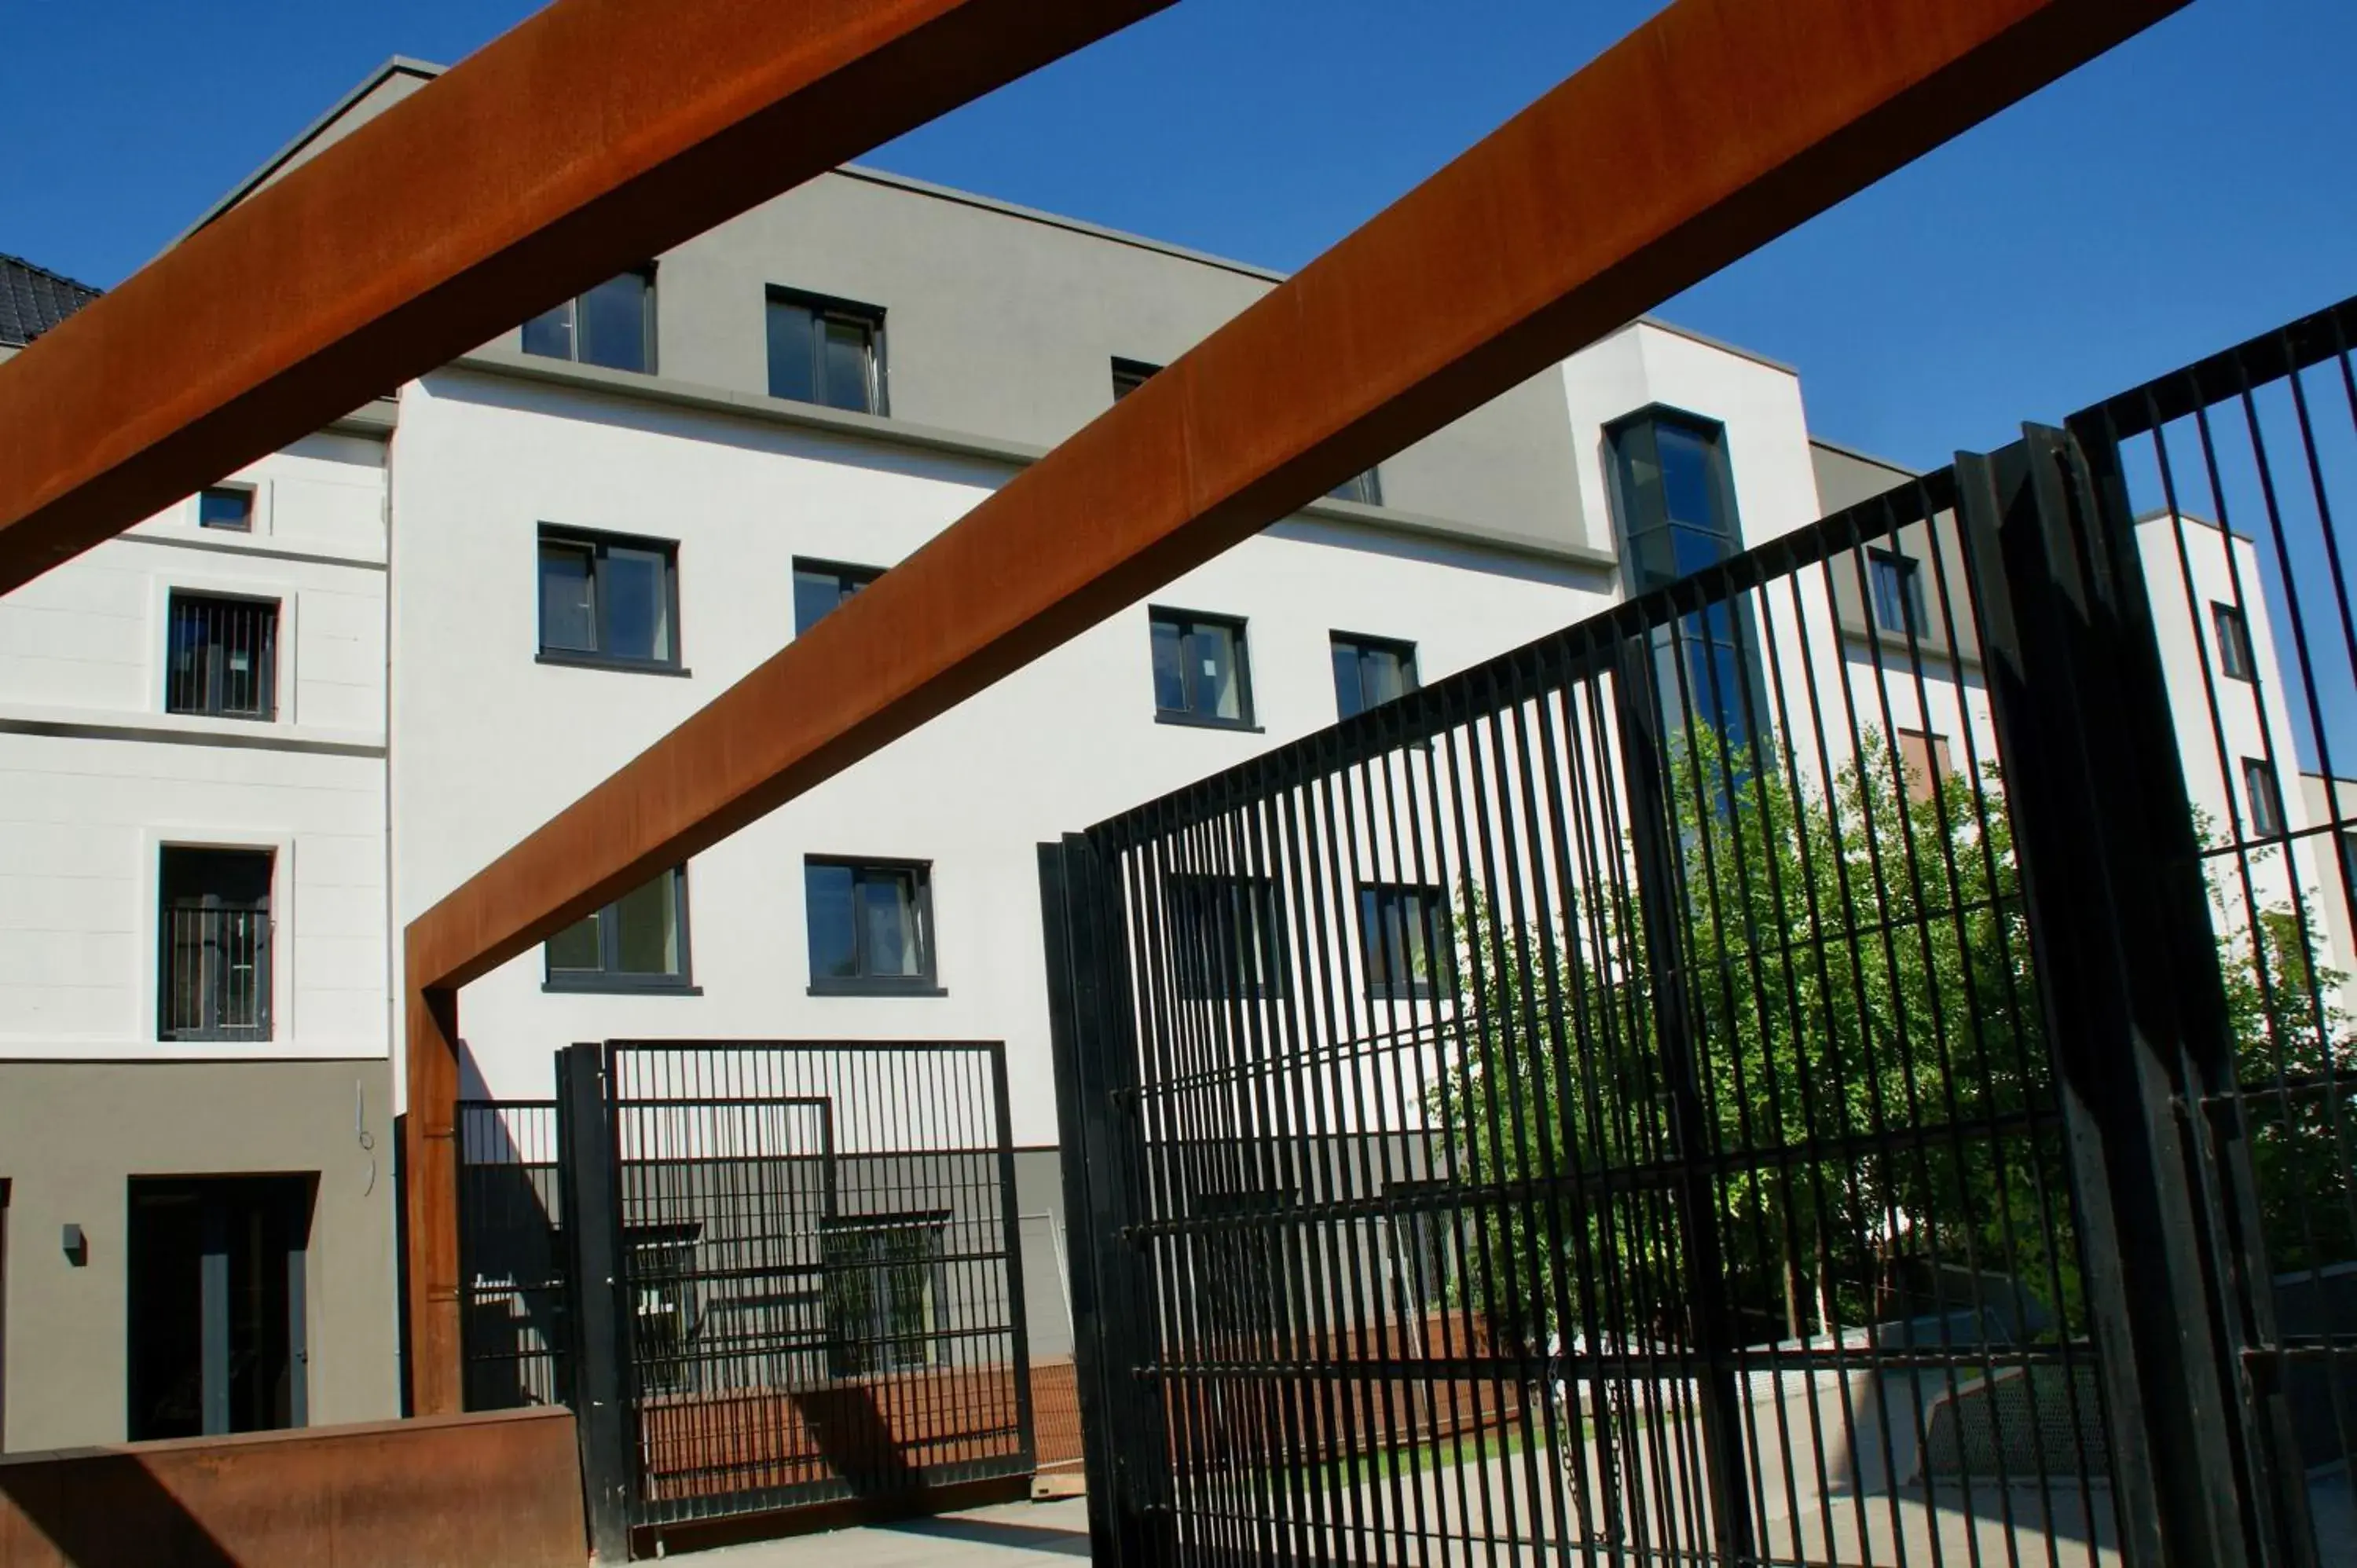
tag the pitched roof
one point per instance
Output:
(33, 299)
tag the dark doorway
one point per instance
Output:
(216, 1306)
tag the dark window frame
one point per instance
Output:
(599, 542)
(210, 985)
(823, 307)
(607, 978)
(1128, 375)
(1186, 620)
(648, 315)
(843, 571)
(2263, 799)
(926, 981)
(210, 705)
(1907, 573)
(2237, 656)
(1199, 911)
(1373, 935)
(1362, 644)
(246, 499)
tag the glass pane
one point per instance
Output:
(1169, 672)
(827, 897)
(637, 604)
(818, 593)
(1384, 673)
(646, 928)
(790, 352)
(1349, 698)
(1687, 490)
(551, 333)
(1653, 559)
(614, 323)
(1693, 550)
(848, 356)
(574, 950)
(1211, 654)
(226, 508)
(568, 600)
(888, 911)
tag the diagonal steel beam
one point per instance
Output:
(594, 135)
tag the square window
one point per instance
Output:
(825, 351)
(870, 925)
(1369, 671)
(1200, 671)
(1227, 937)
(637, 943)
(214, 944)
(1404, 935)
(1128, 375)
(2259, 788)
(2233, 631)
(882, 1287)
(221, 657)
(1898, 583)
(821, 586)
(608, 599)
(226, 506)
(612, 324)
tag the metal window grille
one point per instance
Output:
(215, 975)
(221, 657)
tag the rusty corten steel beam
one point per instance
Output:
(594, 135)
(1716, 127)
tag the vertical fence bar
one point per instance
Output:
(1017, 1316)
(2119, 928)
(593, 1229)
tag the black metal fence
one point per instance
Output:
(1710, 1085)
(811, 1249)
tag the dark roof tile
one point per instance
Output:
(33, 299)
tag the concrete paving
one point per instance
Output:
(1009, 1535)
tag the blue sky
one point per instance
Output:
(2193, 188)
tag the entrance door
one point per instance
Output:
(216, 1309)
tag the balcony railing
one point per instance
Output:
(216, 974)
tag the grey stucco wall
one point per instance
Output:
(1006, 325)
(71, 1136)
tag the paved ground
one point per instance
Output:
(1010, 1535)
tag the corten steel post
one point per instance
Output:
(1716, 127)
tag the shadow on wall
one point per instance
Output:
(97, 1508)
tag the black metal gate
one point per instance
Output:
(1781, 1071)
(766, 1276)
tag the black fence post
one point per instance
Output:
(1662, 902)
(2128, 978)
(1124, 1424)
(1019, 1317)
(593, 1232)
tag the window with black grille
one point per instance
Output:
(222, 658)
(215, 941)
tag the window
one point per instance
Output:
(1924, 757)
(637, 943)
(1128, 375)
(1403, 937)
(822, 585)
(1227, 937)
(2234, 629)
(216, 1314)
(1898, 583)
(1199, 676)
(1365, 489)
(826, 351)
(608, 599)
(1423, 1238)
(2267, 800)
(1675, 501)
(870, 925)
(221, 659)
(1369, 671)
(882, 1278)
(613, 325)
(229, 507)
(1247, 1266)
(214, 942)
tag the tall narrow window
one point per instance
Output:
(1227, 936)
(1369, 671)
(882, 1274)
(2234, 629)
(1898, 582)
(214, 940)
(1403, 939)
(1674, 499)
(826, 351)
(821, 586)
(637, 943)
(1199, 673)
(2265, 797)
(608, 599)
(870, 925)
(221, 657)
(226, 506)
(613, 325)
